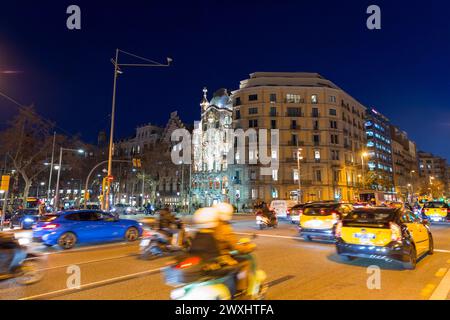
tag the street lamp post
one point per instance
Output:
(51, 169)
(61, 149)
(363, 155)
(150, 63)
(299, 157)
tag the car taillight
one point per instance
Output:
(396, 232)
(189, 262)
(288, 212)
(334, 216)
(338, 231)
(51, 226)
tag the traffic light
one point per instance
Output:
(137, 163)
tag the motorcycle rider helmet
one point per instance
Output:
(206, 218)
(225, 211)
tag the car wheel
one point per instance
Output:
(131, 234)
(430, 244)
(307, 238)
(347, 258)
(411, 264)
(67, 240)
(261, 227)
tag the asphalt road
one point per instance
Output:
(296, 270)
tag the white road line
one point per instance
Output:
(268, 235)
(92, 284)
(441, 250)
(88, 248)
(443, 289)
(87, 262)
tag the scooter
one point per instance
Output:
(26, 267)
(156, 244)
(264, 222)
(195, 279)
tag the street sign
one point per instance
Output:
(5, 183)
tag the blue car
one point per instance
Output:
(24, 218)
(67, 228)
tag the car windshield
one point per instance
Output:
(435, 205)
(319, 210)
(375, 216)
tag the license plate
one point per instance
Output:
(364, 236)
(145, 242)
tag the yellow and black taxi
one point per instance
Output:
(436, 211)
(389, 234)
(319, 219)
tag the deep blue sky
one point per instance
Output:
(402, 70)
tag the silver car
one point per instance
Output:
(123, 209)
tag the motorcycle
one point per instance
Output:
(155, 243)
(195, 279)
(26, 267)
(263, 221)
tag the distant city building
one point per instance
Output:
(379, 150)
(405, 163)
(433, 168)
(311, 113)
(153, 144)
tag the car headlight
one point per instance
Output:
(177, 293)
(128, 209)
(28, 220)
(113, 210)
(23, 241)
(258, 218)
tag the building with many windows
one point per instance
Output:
(380, 175)
(316, 120)
(433, 169)
(210, 178)
(405, 165)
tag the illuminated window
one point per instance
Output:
(275, 175)
(293, 98)
(295, 174)
(317, 154)
(314, 98)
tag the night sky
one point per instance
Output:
(403, 70)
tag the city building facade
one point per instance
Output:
(319, 124)
(405, 164)
(210, 178)
(433, 170)
(380, 176)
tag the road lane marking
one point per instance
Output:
(442, 289)
(269, 235)
(89, 248)
(441, 272)
(92, 285)
(428, 290)
(441, 250)
(90, 261)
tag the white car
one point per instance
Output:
(281, 207)
(122, 209)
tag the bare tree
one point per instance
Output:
(27, 143)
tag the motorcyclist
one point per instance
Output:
(9, 248)
(216, 241)
(228, 242)
(167, 220)
(268, 213)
